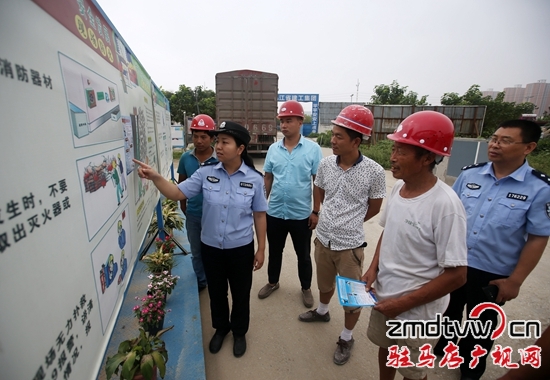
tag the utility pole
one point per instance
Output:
(357, 96)
(197, 101)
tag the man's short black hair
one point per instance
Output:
(530, 131)
(353, 134)
(209, 133)
(419, 152)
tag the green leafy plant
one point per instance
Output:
(158, 262)
(140, 355)
(171, 216)
(379, 152)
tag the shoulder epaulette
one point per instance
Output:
(209, 163)
(259, 172)
(473, 166)
(541, 176)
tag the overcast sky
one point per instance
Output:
(327, 46)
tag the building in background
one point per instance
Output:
(491, 93)
(514, 94)
(537, 93)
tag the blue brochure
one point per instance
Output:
(353, 293)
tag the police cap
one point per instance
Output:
(235, 130)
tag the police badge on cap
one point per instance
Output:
(235, 130)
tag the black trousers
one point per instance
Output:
(277, 231)
(470, 295)
(233, 268)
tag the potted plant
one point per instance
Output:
(162, 282)
(167, 245)
(150, 314)
(171, 216)
(140, 356)
(158, 262)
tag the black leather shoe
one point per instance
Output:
(239, 346)
(216, 342)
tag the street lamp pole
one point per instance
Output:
(351, 98)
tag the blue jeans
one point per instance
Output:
(193, 226)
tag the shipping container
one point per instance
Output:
(249, 98)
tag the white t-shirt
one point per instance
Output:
(422, 235)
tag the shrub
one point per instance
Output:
(177, 153)
(379, 152)
(324, 139)
(542, 146)
(540, 161)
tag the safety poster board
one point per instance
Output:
(76, 106)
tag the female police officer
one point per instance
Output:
(234, 199)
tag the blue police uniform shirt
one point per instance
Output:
(291, 191)
(229, 201)
(189, 163)
(501, 212)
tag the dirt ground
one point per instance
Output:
(281, 347)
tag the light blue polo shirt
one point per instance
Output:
(189, 163)
(291, 191)
(228, 203)
(501, 212)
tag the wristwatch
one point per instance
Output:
(315, 212)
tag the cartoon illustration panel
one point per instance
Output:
(144, 145)
(110, 261)
(103, 183)
(93, 102)
(128, 144)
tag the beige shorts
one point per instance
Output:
(376, 332)
(329, 263)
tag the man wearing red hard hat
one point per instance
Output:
(290, 166)
(351, 188)
(202, 129)
(421, 255)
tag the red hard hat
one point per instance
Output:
(430, 130)
(203, 123)
(357, 118)
(291, 108)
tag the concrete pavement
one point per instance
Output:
(282, 347)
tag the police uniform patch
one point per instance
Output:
(473, 166)
(519, 197)
(246, 184)
(473, 186)
(548, 209)
(213, 179)
(541, 176)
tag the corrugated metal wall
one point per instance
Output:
(468, 120)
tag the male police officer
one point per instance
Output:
(508, 209)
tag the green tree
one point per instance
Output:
(307, 119)
(166, 93)
(497, 109)
(396, 94)
(187, 102)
